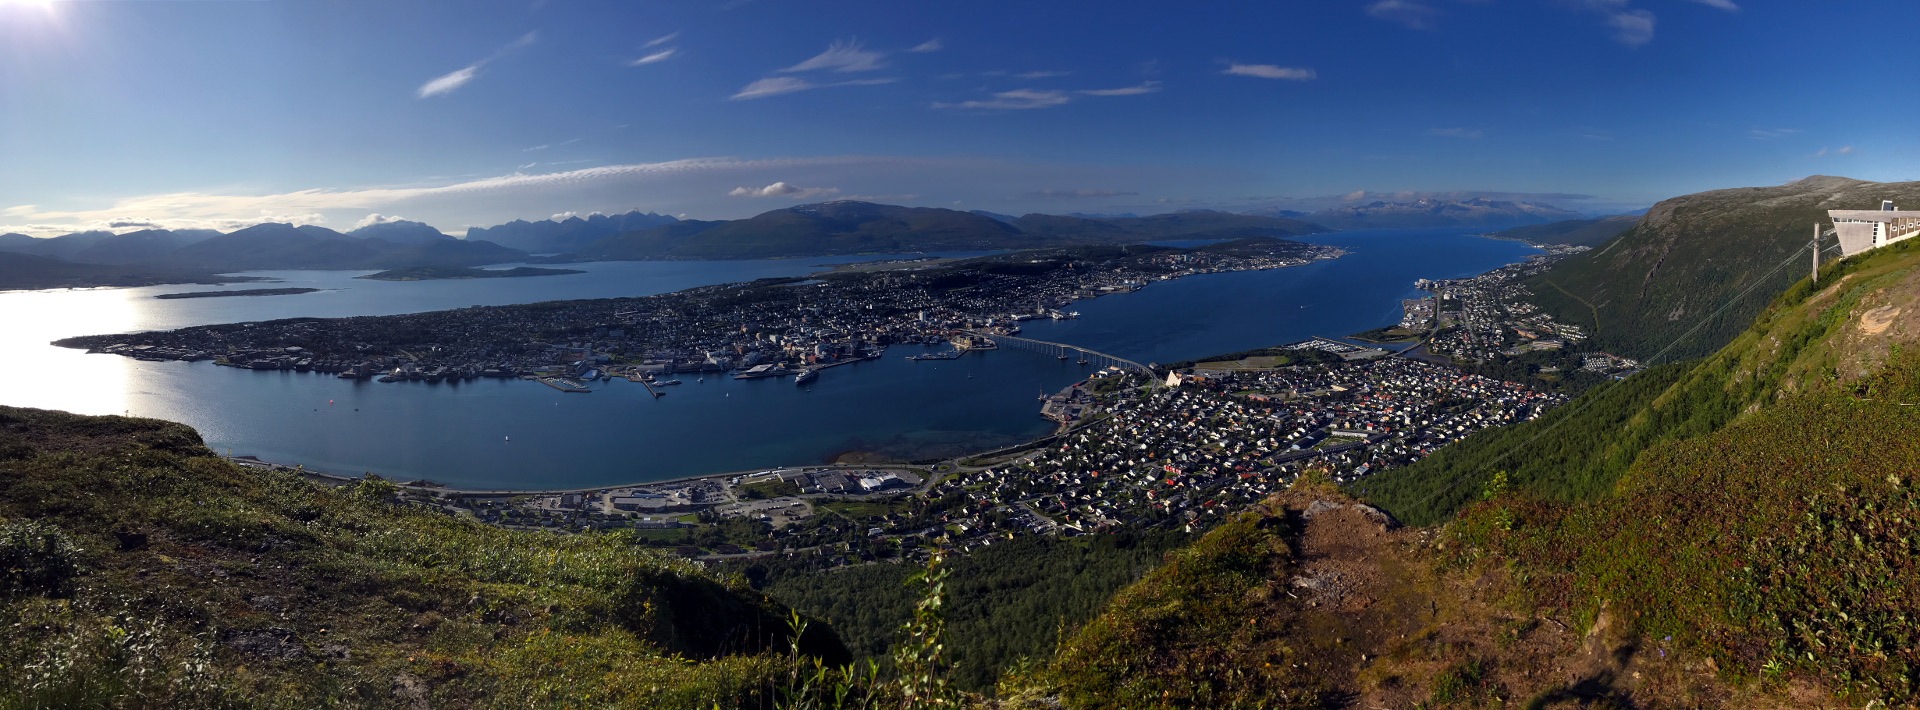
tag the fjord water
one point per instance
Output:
(522, 435)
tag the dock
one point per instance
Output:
(564, 385)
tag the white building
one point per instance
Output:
(1861, 230)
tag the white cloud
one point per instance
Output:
(661, 40)
(528, 165)
(774, 86)
(1016, 99)
(1145, 88)
(447, 83)
(1845, 149)
(1721, 4)
(777, 85)
(1411, 13)
(659, 56)
(842, 56)
(18, 211)
(377, 218)
(1631, 27)
(935, 45)
(782, 189)
(1269, 71)
(1041, 75)
(453, 80)
(1765, 134)
(1454, 132)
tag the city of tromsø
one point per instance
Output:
(1177, 446)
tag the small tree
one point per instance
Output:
(920, 658)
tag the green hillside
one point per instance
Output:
(139, 570)
(1580, 450)
(1644, 291)
(1577, 232)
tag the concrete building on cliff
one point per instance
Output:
(1862, 230)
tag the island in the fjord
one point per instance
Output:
(768, 327)
(239, 292)
(439, 273)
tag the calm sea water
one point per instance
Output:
(515, 434)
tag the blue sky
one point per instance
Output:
(220, 114)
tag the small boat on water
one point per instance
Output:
(1062, 357)
(805, 376)
(663, 383)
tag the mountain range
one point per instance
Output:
(568, 234)
(850, 227)
(1479, 212)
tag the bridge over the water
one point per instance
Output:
(1092, 357)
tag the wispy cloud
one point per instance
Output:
(659, 56)
(842, 56)
(1014, 100)
(1145, 88)
(1767, 134)
(544, 146)
(1842, 150)
(1721, 4)
(1631, 27)
(782, 189)
(1269, 71)
(661, 40)
(935, 45)
(777, 85)
(1041, 74)
(1455, 132)
(447, 83)
(1079, 193)
(1413, 14)
(196, 210)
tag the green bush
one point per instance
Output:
(36, 559)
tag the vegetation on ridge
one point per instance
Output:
(155, 574)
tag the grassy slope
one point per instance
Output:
(1757, 526)
(260, 589)
(1580, 450)
(1689, 255)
